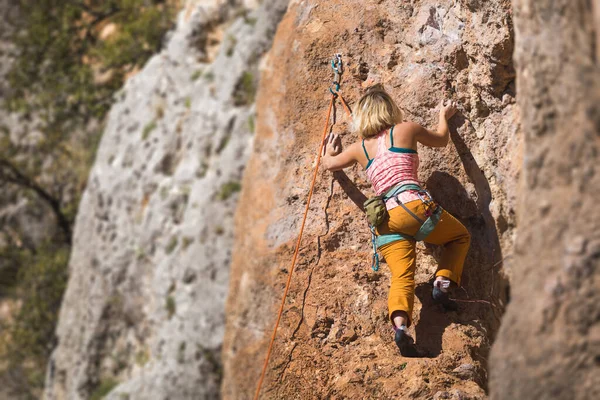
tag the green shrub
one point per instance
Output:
(104, 388)
(142, 357)
(186, 242)
(250, 21)
(181, 353)
(11, 258)
(172, 244)
(170, 306)
(148, 129)
(197, 74)
(232, 41)
(209, 76)
(223, 143)
(228, 189)
(28, 340)
(42, 282)
(251, 126)
(202, 169)
(245, 90)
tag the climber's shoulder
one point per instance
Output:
(406, 133)
(355, 150)
(409, 127)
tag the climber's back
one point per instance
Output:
(389, 164)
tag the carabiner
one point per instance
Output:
(429, 198)
(336, 63)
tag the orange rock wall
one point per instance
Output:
(334, 340)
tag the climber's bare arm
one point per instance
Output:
(441, 136)
(334, 159)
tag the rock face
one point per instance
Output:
(549, 343)
(334, 339)
(28, 218)
(143, 312)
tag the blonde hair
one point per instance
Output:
(376, 111)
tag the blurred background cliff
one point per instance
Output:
(62, 63)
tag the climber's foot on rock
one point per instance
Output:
(405, 343)
(441, 296)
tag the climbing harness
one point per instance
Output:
(336, 64)
(433, 212)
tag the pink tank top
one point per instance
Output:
(391, 166)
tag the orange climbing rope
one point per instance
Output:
(334, 95)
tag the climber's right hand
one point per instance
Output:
(447, 109)
(332, 146)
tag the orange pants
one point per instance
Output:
(401, 256)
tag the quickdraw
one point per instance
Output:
(338, 70)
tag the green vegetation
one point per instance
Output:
(186, 242)
(181, 353)
(245, 90)
(104, 388)
(142, 357)
(170, 306)
(212, 357)
(188, 102)
(172, 244)
(12, 257)
(209, 76)
(228, 189)
(197, 74)
(66, 75)
(43, 282)
(29, 339)
(251, 125)
(223, 142)
(148, 129)
(232, 41)
(202, 169)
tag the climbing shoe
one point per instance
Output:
(405, 343)
(441, 297)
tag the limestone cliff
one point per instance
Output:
(334, 340)
(549, 344)
(142, 316)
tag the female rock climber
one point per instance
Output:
(388, 153)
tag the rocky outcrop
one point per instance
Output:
(549, 342)
(142, 316)
(334, 340)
